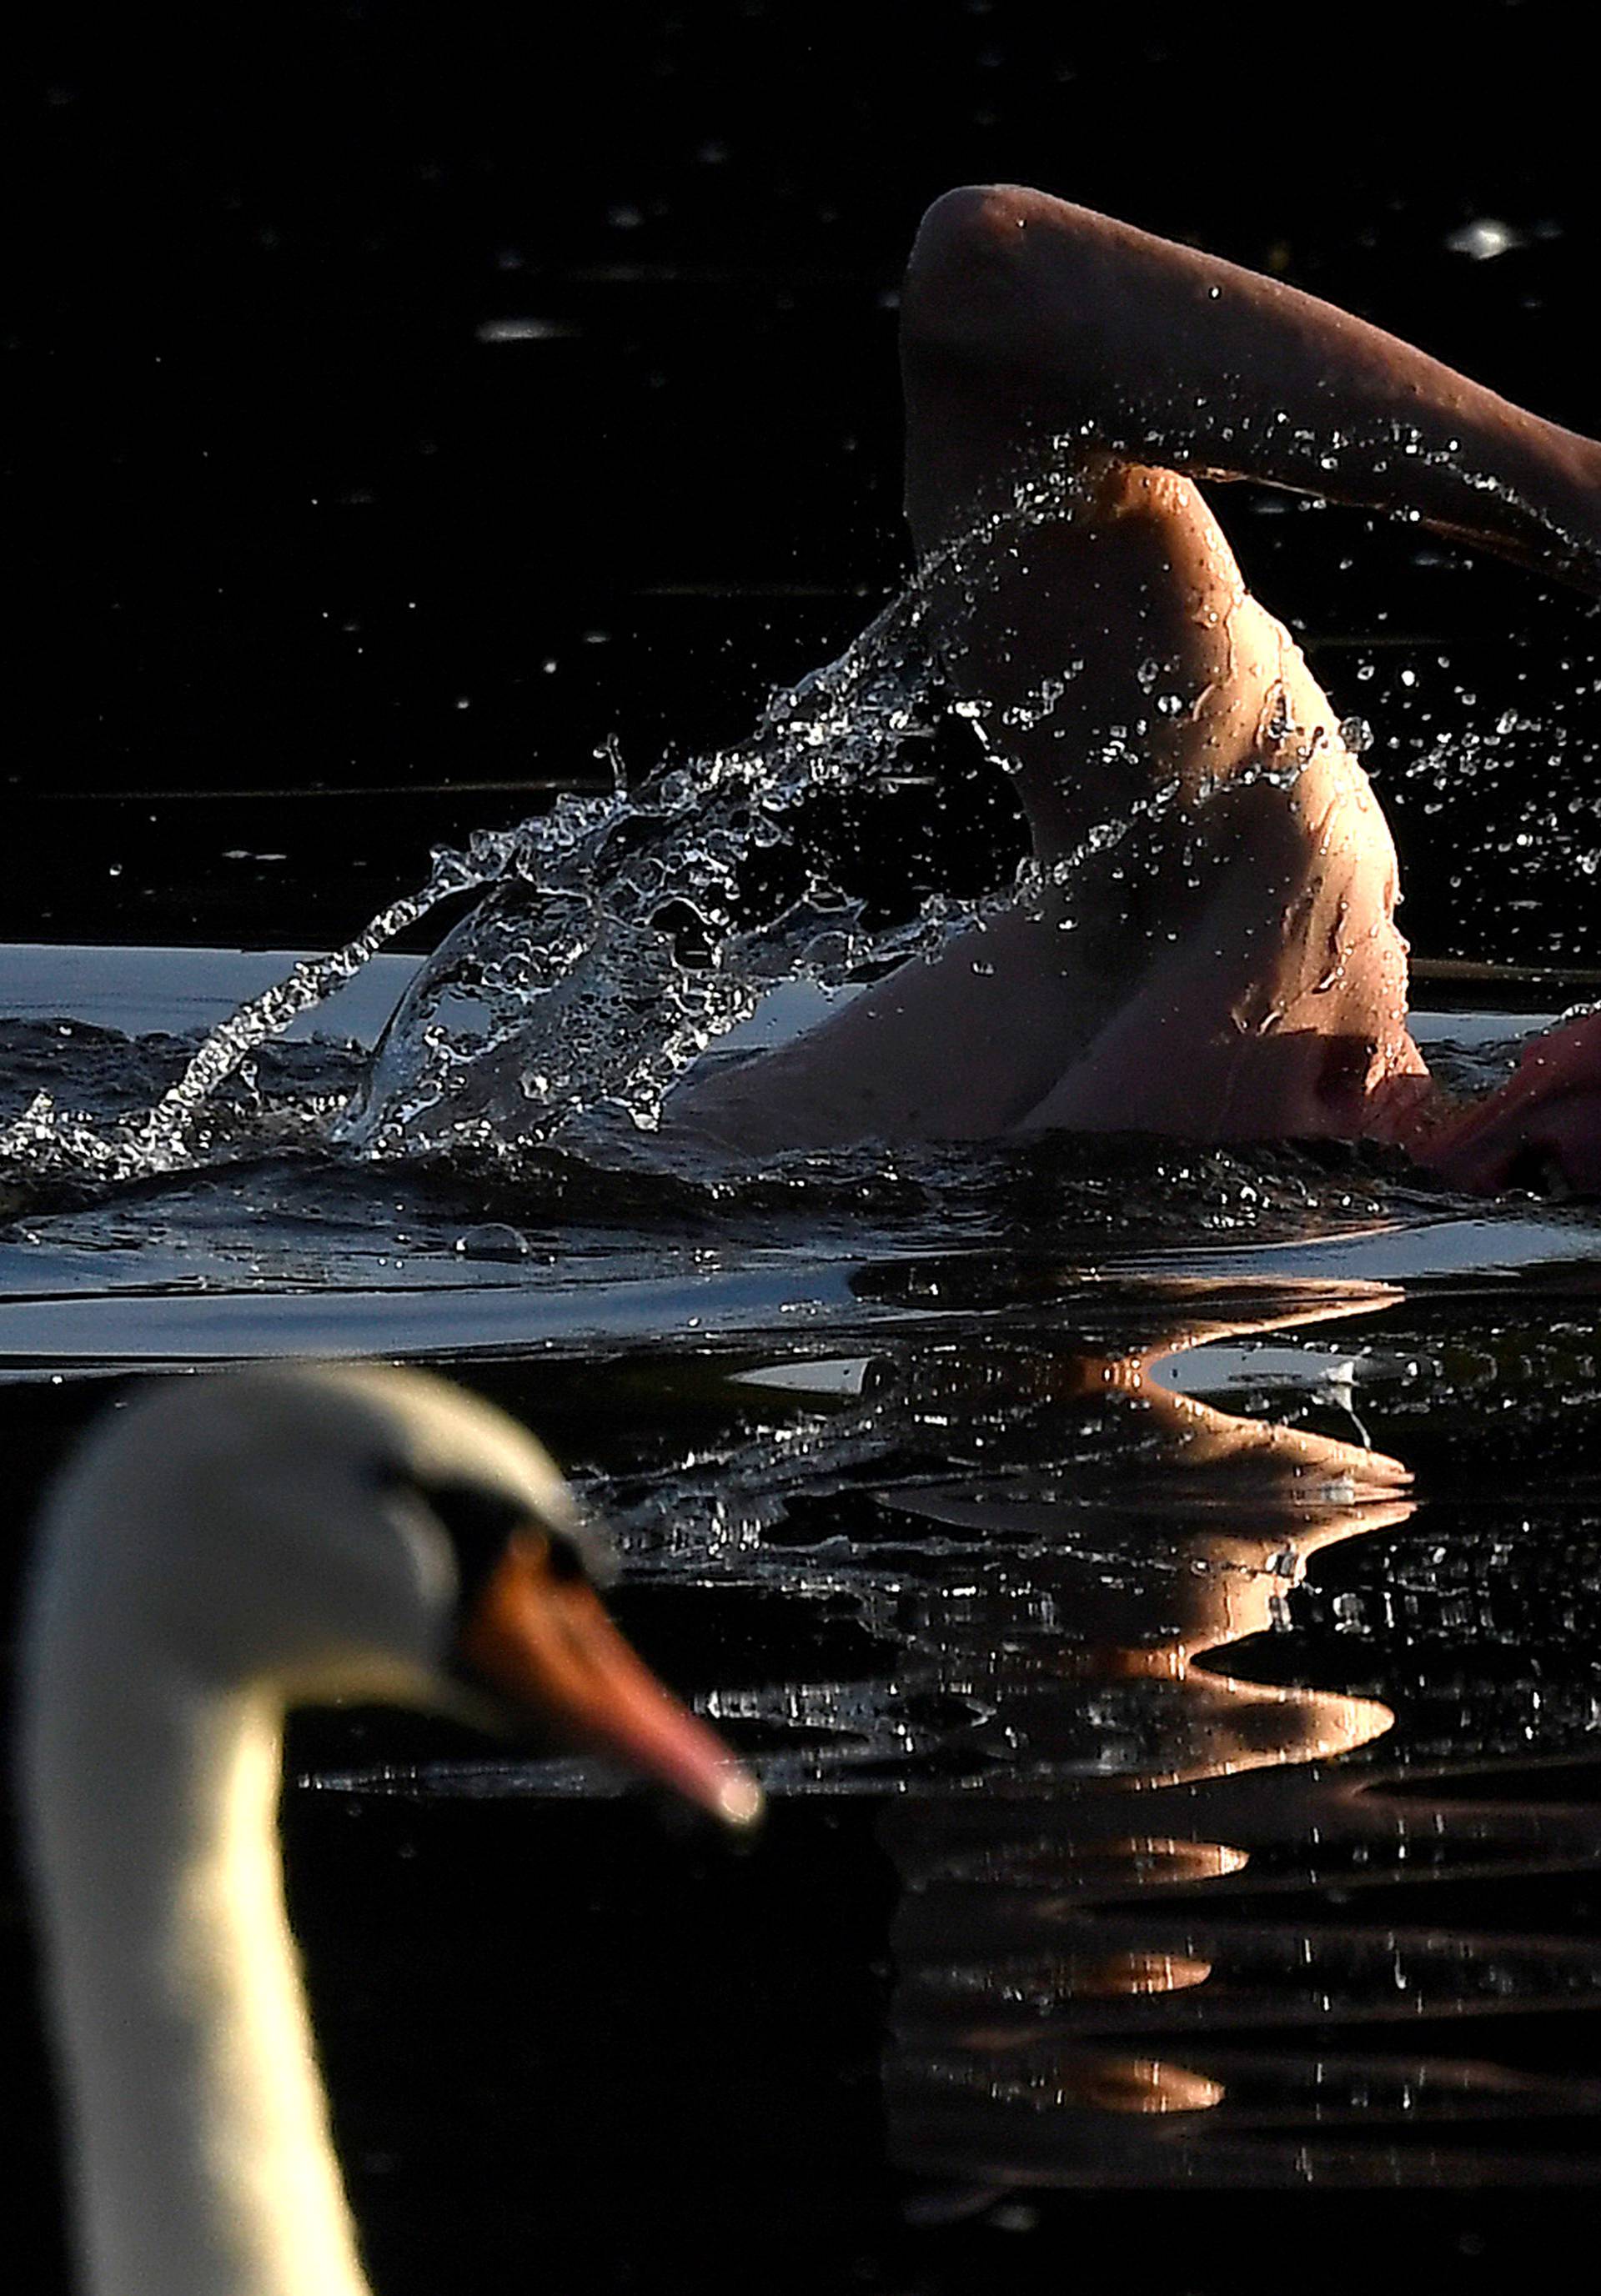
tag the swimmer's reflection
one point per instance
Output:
(1181, 1531)
(998, 1576)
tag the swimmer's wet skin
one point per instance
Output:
(1227, 968)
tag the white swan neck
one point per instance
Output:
(204, 2161)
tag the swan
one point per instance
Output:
(224, 1547)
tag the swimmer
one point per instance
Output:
(1225, 965)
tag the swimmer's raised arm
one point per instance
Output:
(1060, 320)
(1206, 946)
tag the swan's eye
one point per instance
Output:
(564, 1561)
(480, 1523)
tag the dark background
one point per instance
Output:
(407, 400)
(411, 400)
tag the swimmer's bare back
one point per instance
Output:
(1224, 963)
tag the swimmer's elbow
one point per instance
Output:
(971, 279)
(960, 269)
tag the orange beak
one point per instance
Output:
(545, 1641)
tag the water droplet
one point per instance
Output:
(1484, 238)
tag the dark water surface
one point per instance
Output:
(1159, 1588)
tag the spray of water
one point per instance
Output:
(569, 973)
(565, 994)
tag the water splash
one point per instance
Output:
(621, 936)
(568, 993)
(571, 991)
(175, 1131)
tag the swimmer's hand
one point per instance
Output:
(1540, 1129)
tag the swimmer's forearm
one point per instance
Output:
(1177, 358)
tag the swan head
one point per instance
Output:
(317, 1532)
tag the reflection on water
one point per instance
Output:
(1003, 1589)
(1192, 1631)
(1025, 2015)
(1080, 1970)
